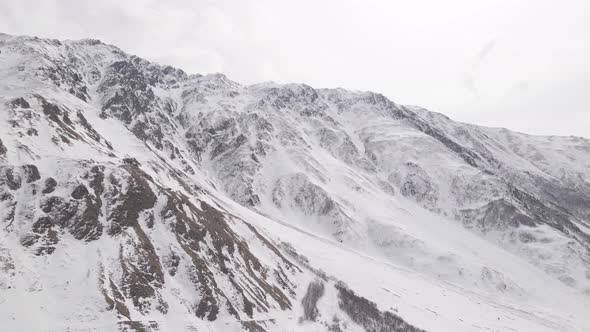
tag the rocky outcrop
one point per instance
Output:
(206, 248)
(315, 291)
(3, 149)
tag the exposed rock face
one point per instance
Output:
(416, 184)
(122, 200)
(315, 290)
(161, 192)
(31, 173)
(498, 215)
(50, 185)
(297, 193)
(2, 148)
(10, 178)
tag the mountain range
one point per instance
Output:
(137, 197)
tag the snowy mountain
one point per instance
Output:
(136, 197)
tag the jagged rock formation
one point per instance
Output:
(161, 196)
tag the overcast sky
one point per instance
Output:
(524, 65)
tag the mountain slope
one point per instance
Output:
(137, 197)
